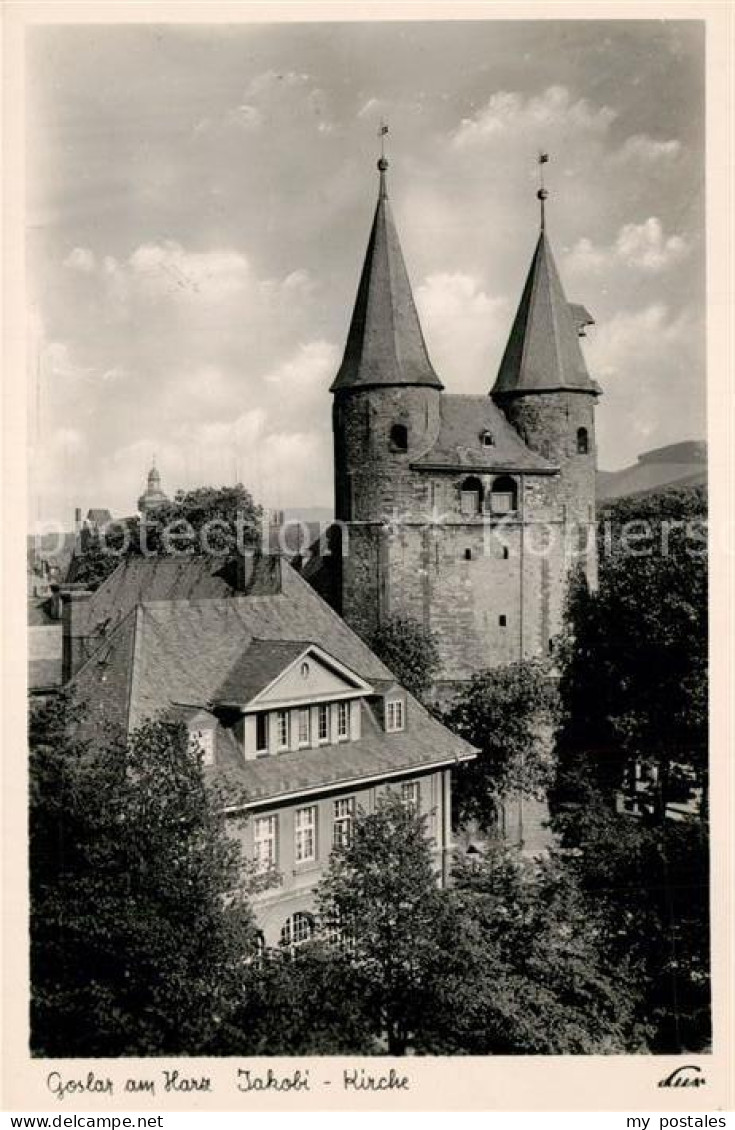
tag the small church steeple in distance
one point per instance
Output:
(153, 496)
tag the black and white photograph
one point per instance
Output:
(367, 544)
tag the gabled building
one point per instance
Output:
(300, 721)
(444, 502)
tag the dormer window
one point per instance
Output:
(304, 726)
(394, 715)
(261, 733)
(283, 729)
(323, 722)
(487, 439)
(343, 720)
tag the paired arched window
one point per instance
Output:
(297, 930)
(504, 495)
(399, 437)
(583, 441)
(470, 496)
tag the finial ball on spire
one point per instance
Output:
(382, 164)
(542, 194)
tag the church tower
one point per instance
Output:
(386, 412)
(545, 390)
(386, 393)
(464, 512)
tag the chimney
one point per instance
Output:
(77, 519)
(73, 631)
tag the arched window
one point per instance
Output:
(399, 437)
(583, 441)
(470, 496)
(297, 930)
(504, 495)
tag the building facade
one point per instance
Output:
(466, 513)
(300, 722)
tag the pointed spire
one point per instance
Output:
(385, 345)
(543, 353)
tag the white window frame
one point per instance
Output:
(265, 836)
(305, 832)
(342, 820)
(260, 749)
(343, 716)
(322, 714)
(305, 922)
(411, 796)
(303, 723)
(395, 715)
(283, 729)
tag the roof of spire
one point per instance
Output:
(543, 350)
(385, 345)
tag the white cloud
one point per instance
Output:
(642, 148)
(643, 247)
(165, 269)
(508, 112)
(81, 259)
(463, 326)
(311, 369)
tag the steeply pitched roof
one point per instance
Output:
(422, 744)
(543, 350)
(172, 653)
(459, 444)
(257, 668)
(385, 345)
(139, 579)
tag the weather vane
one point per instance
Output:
(382, 131)
(542, 191)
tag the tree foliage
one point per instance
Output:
(508, 714)
(139, 915)
(410, 650)
(634, 656)
(205, 520)
(524, 967)
(650, 887)
(380, 892)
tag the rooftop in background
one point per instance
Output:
(677, 464)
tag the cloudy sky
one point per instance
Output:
(200, 200)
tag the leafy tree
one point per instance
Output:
(139, 915)
(205, 520)
(410, 650)
(524, 970)
(315, 1002)
(649, 885)
(508, 714)
(634, 655)
(380, 891)
(634, 693)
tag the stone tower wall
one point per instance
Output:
(372, 476)
(549, 422)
